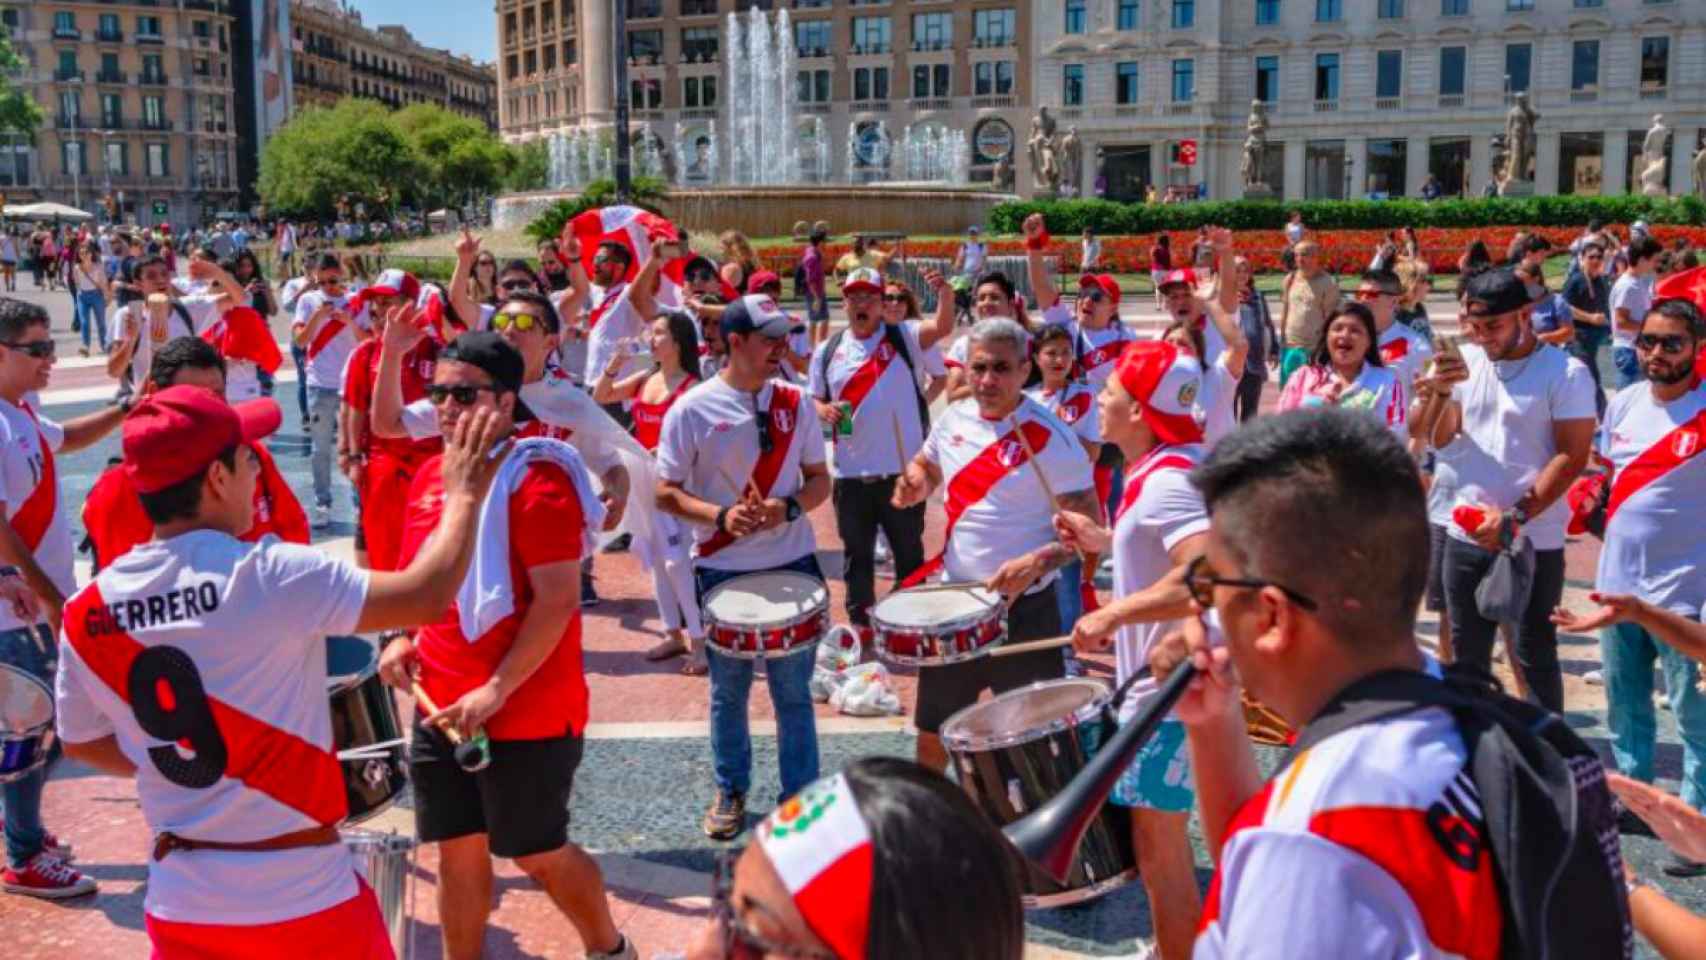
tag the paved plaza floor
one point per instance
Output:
(646, 776)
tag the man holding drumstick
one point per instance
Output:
(1000, 518)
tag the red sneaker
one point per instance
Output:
(50, 844)
(47, 877)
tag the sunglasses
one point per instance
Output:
(1201, 581)
(1094, 294)
(894, 298)
(697, 276)
(738, 942)
(463, 395)
(39, 349)
(1667, 342)
(602, 258)
(517, 284)
(1373, 294)
(520, 321)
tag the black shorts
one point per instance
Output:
(1435, 598)
(944, 691)
(520, 801)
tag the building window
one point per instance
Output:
(1267, 12)
(932, 31)
(812, 86)
(644, 9)
(1326, 76)
(1584, 65)
(159, 160)
(1125, 82)
(1184, 14)
(72, 158)
(202, 29)
(1184, 80)
(871, 83)
(118, 158)
(1519, 66)
(1519, 4)
(1267, 79)
(872, 35)
(154, 111)
(112, 110)
(1448, 161)
(1324, 169)
(700, 92)
(645, 93)
(645, 45)
(1128, 14)
(1388, 167)
(1390, 10)
(993, 28)
(812, 37)
(931, 80)
(1075, 16)
(1655, 63)
(71, 107)
(148, 27)
(1072, 85)
(992, 78)
(65, 24)
(10, 19)
(689, 8)
(1450, 8)
(1581, 163)
(67, 65)
(1452, 67)
(109, 29)
(699, 43)
(1388, 73)
(1328, 11)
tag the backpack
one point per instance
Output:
(1551, 828)
(893, 336)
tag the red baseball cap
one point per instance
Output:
(1179, 275)
(1105, 281)
(395, 283)
(763, 278)
(173, 434)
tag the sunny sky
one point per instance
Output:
(462, 26)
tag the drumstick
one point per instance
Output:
(1031, 456)
(1012, 649)
(421, 698)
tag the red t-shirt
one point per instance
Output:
(360, 376)
(545, 526)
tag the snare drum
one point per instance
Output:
(1020, 749)
(365, 731)
(772, 614)
(938, 624)
(26, 723)
(387, 862)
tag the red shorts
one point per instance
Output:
(352, 930)
(384, 497)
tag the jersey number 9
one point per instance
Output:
(170, 704)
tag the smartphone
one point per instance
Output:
(1447, 345)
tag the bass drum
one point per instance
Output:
(1023, 747)
(365, 730)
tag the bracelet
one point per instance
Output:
(721, 516)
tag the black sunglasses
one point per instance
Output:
(463, 395)
(517, 284)
(39, 349)
(1094, 294)
(701, 276)
(894, 298)
(1668, 342)
(737, 941)
(1201, 583)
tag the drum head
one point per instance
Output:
(349, 659)
(765, 599)
(932, 605)
(25, 702)
(1022, 715)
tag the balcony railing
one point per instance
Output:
(870, 106)
(1388, 103)
(1451, 100)
(1583, 96)
(994, 102)
(109, 36)
(1327, 106)
(931, 103)
(1183, 108)
(66, 76)
(919, 46)
(996, 40)
(806, 53)
(68, 121)
(1652, 93)
(815, 108)
(150, 38)
(158, 123)
(67, 33)
(152, 79)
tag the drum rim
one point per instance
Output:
(794, 621)
(46, 689)
(343, 682)
(993, 611)
(1084, 714)
(388, 841)
(782, 654)
(944, 660)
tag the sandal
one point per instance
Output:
(665, 649)
(695, 665)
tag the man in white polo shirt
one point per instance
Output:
(328, 329)
(1631, 295)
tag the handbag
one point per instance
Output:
(1502, 595)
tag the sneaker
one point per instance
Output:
(1594, 678)
(51, 845)
(322, 517)
(620, 544)
(625, 950)
(727, 816)
(589, 593)
(47, 877)
(1683, 868)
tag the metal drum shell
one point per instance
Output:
(363, 713)
(966, 637)
(772, 640)
(387, 862)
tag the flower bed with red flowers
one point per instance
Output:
(1343, 251)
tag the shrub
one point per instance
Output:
(648, 193)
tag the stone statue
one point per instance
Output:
(1002, 175)
(1499, 156)
(1519, 136)
(1700, 173)
(1255, 151)
(1072, 161)
(1654, 159)
(1042, 146)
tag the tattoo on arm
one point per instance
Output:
(1080, 501)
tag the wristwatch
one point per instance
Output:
(721, 516)
(794, 510)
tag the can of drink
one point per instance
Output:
(844, 426)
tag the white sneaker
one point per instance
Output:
(1145, 951)
(322, 516)
(1594, 678)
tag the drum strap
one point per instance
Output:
(974, 481)
(324, 835)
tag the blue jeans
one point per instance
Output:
(790, 693)
(92, 308)
(322, 440)
(1629, 652)
(299, 356)
(1627, 364)
(32, 650)
(1067, 596)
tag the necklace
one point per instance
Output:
(1520, 366)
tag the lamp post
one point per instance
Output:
(624, 149)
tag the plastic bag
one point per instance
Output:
(866, 692)
(839, 650)
(1502, 595)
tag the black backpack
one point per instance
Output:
(1551, 828)
(892, 335)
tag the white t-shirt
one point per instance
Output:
(1443, 492)
(571, 348)
(1634, 294)
(23, 475)
(1214, 401)
(709, 445)
(611, 319)
(889, 399)
(1015, 516)
(1509, 409)
(1405, 352)
(247, 622)
(1164, 511)
(330, 347)
(291, 291)
(1097, 351)
(1653, 547)
(200, 310)
(974, 254)
(1075, 405)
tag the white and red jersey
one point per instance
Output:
(872, 376)
(206, 657)
(1369, 844)
(1159, 510)
(1652, 546)
(1214, 401)
(1405, 352)
(420, 419)
(1096, 351)
(997, 508)
(611, 320)
(1075, 405)
(1376, 390)
(196, 314)
(29, 486)
(336, 338)
(710, 447)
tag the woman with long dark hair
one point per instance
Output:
(1345, 370)
(91, 288)
(942, 882)
(483, 282)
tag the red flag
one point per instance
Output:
(242, 334)
(632, 227)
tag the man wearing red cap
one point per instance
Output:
(1159, 528)
(197, 664)
(1000, 518)
(35, 547)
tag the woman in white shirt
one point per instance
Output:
(92, 290)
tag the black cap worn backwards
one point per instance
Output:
(493, 354)
(1496, 292)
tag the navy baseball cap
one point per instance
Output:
(1496, 292)
(758, 314)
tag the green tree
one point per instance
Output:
(354, 150)
(19, 112)
(454, 157)
(529, 165)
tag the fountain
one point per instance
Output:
(935, 154)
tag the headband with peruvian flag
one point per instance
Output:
(820, 845)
